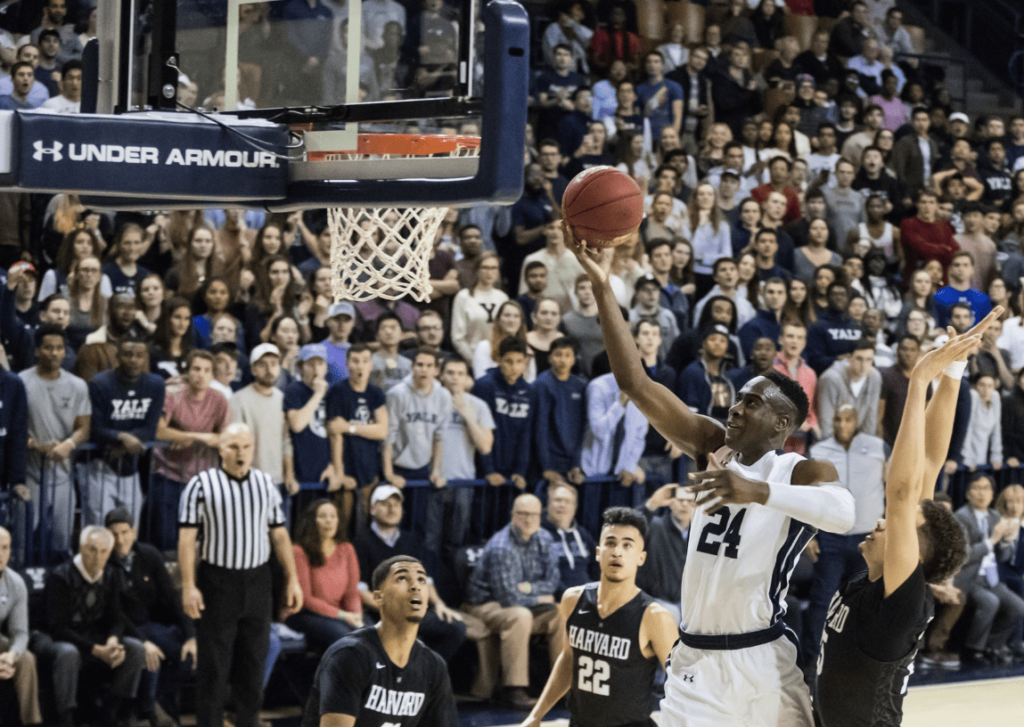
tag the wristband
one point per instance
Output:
(955, 370)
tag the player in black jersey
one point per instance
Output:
(877, 617)
(618, 636)
(382, 676)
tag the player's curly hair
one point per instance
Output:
(792, 391)
(625, 516)
(943, 545)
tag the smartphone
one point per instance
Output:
(684, 493)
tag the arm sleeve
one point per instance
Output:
(975, 442)
(634, 442)
(603, 418)
(827, 507)
(170, 599)
(482, 392)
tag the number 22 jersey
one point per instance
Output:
(612, 681)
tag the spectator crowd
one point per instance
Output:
(814, 205)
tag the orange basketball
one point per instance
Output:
(603, 206)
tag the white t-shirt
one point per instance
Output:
(62, 105)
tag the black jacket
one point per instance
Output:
(662, 574)
(147, 591)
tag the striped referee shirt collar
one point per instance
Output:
(237, 480)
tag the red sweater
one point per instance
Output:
(923, 241)
(332, 587)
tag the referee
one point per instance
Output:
(232, 510)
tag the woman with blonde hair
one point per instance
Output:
(473, 310)
(709, 233)
(198, 262)
(509, 321)
(77, 244)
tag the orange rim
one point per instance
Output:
(402, 145)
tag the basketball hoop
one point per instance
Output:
(384, 252)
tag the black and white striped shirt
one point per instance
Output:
(234, 517)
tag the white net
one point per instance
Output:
(382, 252)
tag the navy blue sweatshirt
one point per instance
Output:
(559, 421)
(763, 325)
(18, 337)
(831, 336)
(576, 563)
(13, 430)
(118, 407)
(512, 407)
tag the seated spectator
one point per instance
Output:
(668, 535)
(417, 411)
(835, 334)
(59, 413)
(997, 609)
(468, 432)
(703, 385)
(819, 60)
(648, 299)
(152, 606)
(389, 368)
(561, 264)
(1010, 505)
(85, 631)
(27, 53)
(852, 381)
(512, 590)
(328, 572)
(443, 629)
(511, 401)
(192, 420)
(429, 334)
(789, 361)
(474, 309)
(573, 544)
(17, 663)
(605, 92)
(613, 42)
(305, 409)
(984, 443)
(973, 240)
(734, 91)
(581, 325)
(759, 363)
(959, 291)
(126, 407)
(172, 341)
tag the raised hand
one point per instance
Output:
(587, 256)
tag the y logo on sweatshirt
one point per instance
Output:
(513, 410)
(126, 409)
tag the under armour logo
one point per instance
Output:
(687, 677)
(42, 150)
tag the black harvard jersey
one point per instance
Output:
(612, 681)
(356, 677)
(868, 649)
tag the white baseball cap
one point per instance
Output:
(383, 492)
(264, 349)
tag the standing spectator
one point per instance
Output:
(54, 15)
(703, 385)
(819, 60)
(735, 93)
(984, 443)
(873, 180)
(512, 591)
(768, 321)
(854, 381)
(981, 247)
(780, 170)
(417, 410)
(17, 663)
(660, 99)
(511, 401)
(844, 204)
(554, 87)
(59, 410)
(834, 334)
(765, 248)
(85, 631)
(659, 252)
(70, 99)
(151, 604)
(328, 573)
(193, 418)
(126, 407)
(997, 610)
(233, 512)
(990, 360)
(568, 29)
(860, 460)
(668, 535)
(535, 280)
(995, 173)
(559, 422)
(469, 431)
(341, 319)
(916, 155)
(789, 361)
(357, 417)
(561, 264)
(474, 309)
(430, 333)
(613, 42)
(573, 545)
(895, 380)
(693, 80)
(959, 291)
(648, 299)
(581, 325)
(305, 409)
(389, 368)
(260, 406)
(759, 363)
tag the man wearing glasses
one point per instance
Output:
(512, 591)
(429, 334)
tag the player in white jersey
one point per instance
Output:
(735, 664)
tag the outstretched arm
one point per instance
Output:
(695, 435)
(560, 680)
(914, 466)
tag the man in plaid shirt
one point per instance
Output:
(512, 591)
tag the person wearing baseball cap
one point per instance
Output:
(648, 303)
(306, 411)
(24, 275)
(341, 318)
(703, 384)
(259, 405)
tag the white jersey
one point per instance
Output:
(739, 560)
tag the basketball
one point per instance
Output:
(603, 206)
